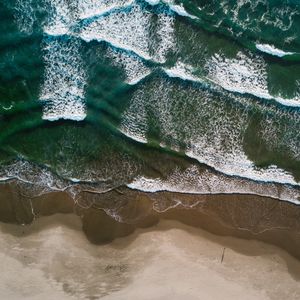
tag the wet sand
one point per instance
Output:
(119, 213)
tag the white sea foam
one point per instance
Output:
(55, 116)
(242, 74)
(245, 75)
(126, 30)
(63, 89)
(182, 71)
(130, 31)
(7, 108)
(64, 83)
(133, 122)
(56, 30)
(239, 165)
(194, 181)
(228, 157)
(63, 16)
(276, 136)
(272, 50)
(137, 136)
(34, 180)
(166, 37)
(137, 79)
(59, 18)
(212, 132)
(152, 2)
(178, 9)
(38, 179)
(93, 8)
(25, 15)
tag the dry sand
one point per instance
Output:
(52, 259)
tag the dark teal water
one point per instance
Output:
(190, 96)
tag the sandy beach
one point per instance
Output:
(52, 259)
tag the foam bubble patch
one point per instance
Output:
(64, 83)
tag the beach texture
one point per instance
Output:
(52, 259)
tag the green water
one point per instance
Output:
(113, 91)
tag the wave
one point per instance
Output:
(178, 9)
(91, 9)
(273, 51)
(244, 75)
(117, 28)
(138, 137)
(8, 107)
(124, 30)
(139, 42)
(194, 181)
(213, 133)
(63, 89)
(116, 24)
(55, 116)
(133, 66)
(182, 71)
(116, 44)
(241, 75)
(63, 19)
(237, 166)
(225, 18)
(124, 26)
(235, 75)
(34, 180)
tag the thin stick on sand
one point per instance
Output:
(223, 253)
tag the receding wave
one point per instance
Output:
(34, 180)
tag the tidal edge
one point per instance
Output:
(119, 212)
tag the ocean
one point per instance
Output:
(199, 97)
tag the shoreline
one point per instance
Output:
(120, 212)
